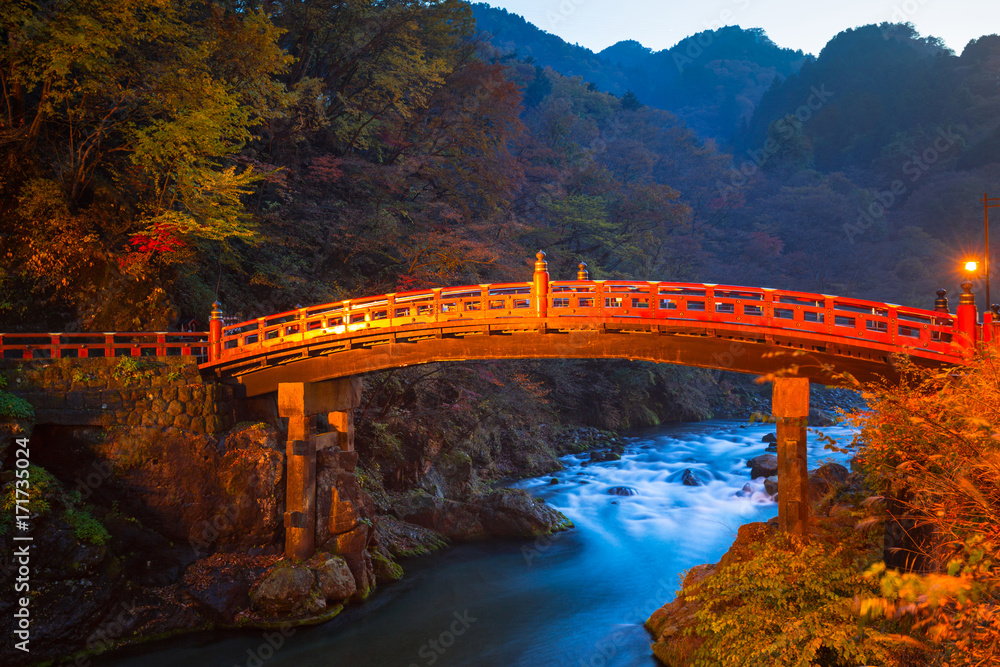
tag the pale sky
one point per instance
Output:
(801, 24)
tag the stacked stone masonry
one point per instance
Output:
(142, 391)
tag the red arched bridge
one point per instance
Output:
(746, 329)
(307, 355)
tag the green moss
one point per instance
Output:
(14, 408)
(85, 526)
(384, 567)
(80, 377)
(132, 370)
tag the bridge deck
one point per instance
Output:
(716, 326)
(748, 329)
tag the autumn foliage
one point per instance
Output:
(934, 448)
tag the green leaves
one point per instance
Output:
(789, 604)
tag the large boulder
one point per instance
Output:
(503, 513)
(288, 590)
(826, 478)
(453, 519)
(209, 493)
(221, 584)
(403, 539)
(764, 465)
(514, 513)
(333, 577)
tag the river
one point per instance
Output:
(578, 598)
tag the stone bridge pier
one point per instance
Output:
(301, 403)
(790, 407)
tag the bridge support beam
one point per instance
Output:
(790, 406)
(301, 402)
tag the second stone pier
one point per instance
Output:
(790, 407)
(300, 403)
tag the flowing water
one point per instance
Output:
(577, 598)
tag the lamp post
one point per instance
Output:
(988, 203)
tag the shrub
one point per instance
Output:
(790, 604)
(85, 526)
(934, 447)
(14, 408)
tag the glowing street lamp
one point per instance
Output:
(971, 266)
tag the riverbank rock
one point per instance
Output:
(288, 591)
(603, 455)
(333, 578)
(514, 513)
(450, 518)
(503, 513)
(671, 646)
(403, 539)
(582, 439)
(304, 589)
(826, 478)
(764, 465)
(771, 485)
(769, 437)
(221, 583)
(819, 417)
(212, 493)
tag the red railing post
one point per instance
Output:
(161, 345)
(55, 353)
(109, 345)
(540, 285)
(966, 317)
(215, 333)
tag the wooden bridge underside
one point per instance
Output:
(821, 359)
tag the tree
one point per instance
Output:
(123, 119)
(630, 102)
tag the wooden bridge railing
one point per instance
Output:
(579, 302)
(935, 334)
(89, 345)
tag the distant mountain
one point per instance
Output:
(880, 94)
(712, 80)
(511, 33)
(628, 53)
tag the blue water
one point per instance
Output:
(577, 598)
